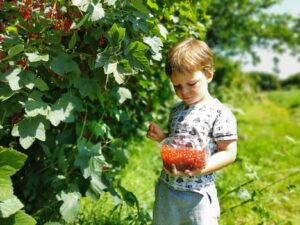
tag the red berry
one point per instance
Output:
(67, 25)
(32, 35)
(102, 41)
(22, 63)
(48, 15)
(26, 14)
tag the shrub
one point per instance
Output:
(78, 80)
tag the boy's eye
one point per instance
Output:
(176, 86)
(193, 84)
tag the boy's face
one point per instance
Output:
(192, 88)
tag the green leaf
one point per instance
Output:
(73, 40)
(110, 68)
(110, 2)
(41, 85)
(123, 94)
(81, 4)
(63, 64)
(10, 161)
(152, 5)
(102, 59)
(27, 79)
(96, 187)
(36, 57)
(6, 93)
(156, 46)
(6, 185)
(136, 54)
(52, 223)
(99, 129)
(20, 218)
(81, 22)
(125, 68)
(89, 159)
(97, 12)
(115, 35)
(28, 130)
(71, 205)
(138, 4)
(86, 86)
(119, 77)
(163, 30)
(10, 206)
(34, 108)
(139, 24)
(15, 50)
(64, 109)
(13, 79)
(128, 196)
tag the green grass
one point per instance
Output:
(269, 153)
(261, 187)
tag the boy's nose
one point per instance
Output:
(184, 90)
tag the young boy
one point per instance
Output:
(190, 197)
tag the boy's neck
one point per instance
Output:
(204, 100)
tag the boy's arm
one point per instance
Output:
(155, 133)
(227, 151)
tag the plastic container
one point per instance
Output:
(183, 152)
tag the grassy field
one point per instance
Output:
(261, 187)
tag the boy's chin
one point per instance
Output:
(191, 101)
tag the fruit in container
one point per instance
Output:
(183, 158)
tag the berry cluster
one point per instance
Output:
(183, 159)
(60, 21)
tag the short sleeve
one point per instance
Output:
(225, 125)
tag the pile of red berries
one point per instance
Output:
(183, 159)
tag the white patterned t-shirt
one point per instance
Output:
(209, 122)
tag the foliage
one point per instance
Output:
(292, 81)
(265, 81)
(78, 80)
(239, 27)
(10, 206)
(230, 84)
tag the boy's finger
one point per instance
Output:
(174, 170)
(151, 126)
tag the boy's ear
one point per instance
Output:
(209, 76)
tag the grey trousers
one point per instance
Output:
(174, 207)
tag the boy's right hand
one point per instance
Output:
(155, 133)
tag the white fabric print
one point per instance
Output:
(209, 122)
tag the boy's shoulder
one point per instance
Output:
(219, 107)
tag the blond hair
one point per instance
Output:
(189, 56)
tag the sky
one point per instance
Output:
(288, 65)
